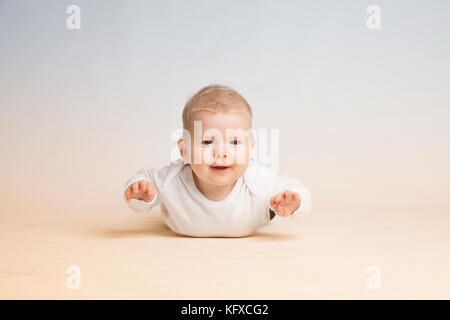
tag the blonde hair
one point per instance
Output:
(214, 98)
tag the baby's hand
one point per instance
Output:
(141, 190)
(285, 203)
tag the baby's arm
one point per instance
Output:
(284, 195)
(140, 193)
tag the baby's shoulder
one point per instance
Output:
(255, 169)
(169, 172)
(256, 175)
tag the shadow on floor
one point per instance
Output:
(164, 231)
(157, 228)
(274, 236)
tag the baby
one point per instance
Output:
(216, 189)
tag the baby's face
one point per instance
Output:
(221, 146)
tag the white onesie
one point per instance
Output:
(187, 211)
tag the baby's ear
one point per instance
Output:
(182, 149)
(252, 143)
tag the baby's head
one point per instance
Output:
(217, 139)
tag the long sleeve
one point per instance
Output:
(141, 205)
(267, 184)
(159, 177)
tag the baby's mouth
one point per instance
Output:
(220, 168)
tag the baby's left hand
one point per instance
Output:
(285, 203)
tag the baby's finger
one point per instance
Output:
(273, 204)
(278, 197)
(150, 189)
(295, 196)
(287, 194)
(143, 186)
(146, 197)
(274, 201)
(149, 194)
(135, 187)
(130, 194)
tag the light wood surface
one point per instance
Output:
(323, 255)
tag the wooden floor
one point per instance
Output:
(331, 255)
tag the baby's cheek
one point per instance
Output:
(202, 156)
(208, 157)
(239, 170)
(231, 154)
(241, 154)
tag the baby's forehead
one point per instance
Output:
(211, 116)
(235, 119)
(217, 125)
(229, 132)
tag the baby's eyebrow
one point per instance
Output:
(231, 136)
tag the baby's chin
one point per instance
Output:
(221, 181)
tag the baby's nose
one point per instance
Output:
(220, 150)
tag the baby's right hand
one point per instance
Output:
(141, 190)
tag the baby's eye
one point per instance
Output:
(206, 142)
(235, 142)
